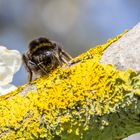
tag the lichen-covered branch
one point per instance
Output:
(88, 100)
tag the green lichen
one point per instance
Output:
(88, 101)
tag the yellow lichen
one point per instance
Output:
(67, 99)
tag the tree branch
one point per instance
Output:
(87, 100)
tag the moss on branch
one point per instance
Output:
(88, 101)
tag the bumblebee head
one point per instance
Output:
(40, 43)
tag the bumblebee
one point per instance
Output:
(43, 56)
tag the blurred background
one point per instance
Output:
(77, 24)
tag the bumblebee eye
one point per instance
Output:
(49, 54)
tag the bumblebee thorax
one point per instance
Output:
(40, 44)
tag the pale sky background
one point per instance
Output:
(77, 24)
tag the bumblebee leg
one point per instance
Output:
(58, 56)
(63, 55)
(27, 67)
(67, 55)
(42, 67)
